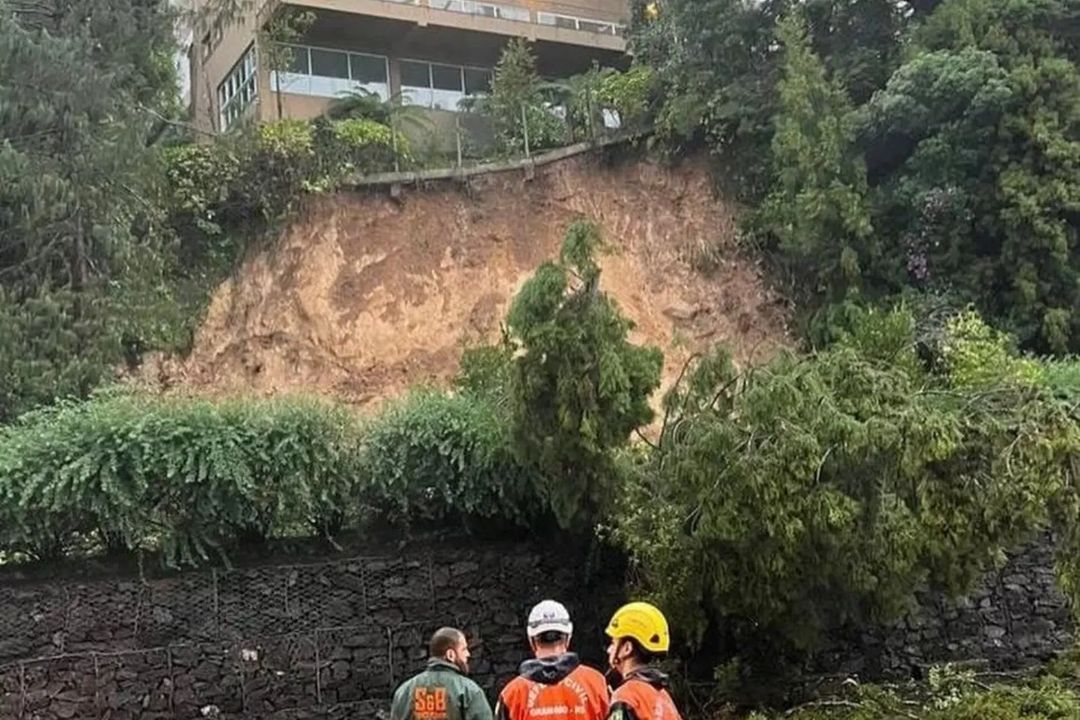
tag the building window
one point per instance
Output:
(571, 22)
(441, 86)
(486, 9)
(239, 88)
(322, 72)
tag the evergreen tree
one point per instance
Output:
(579, 387)
(817, 212)
(516, 103)
(83, 88)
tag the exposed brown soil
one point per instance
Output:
(366, 295)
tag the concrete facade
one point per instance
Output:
(427, 52)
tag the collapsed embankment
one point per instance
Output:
(365, 294)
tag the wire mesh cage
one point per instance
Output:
(321, 640)
(278, 673)
(134, 685)
(178, 609)
(354, 664)
(32, 621)
(60, 687)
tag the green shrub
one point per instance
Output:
(579, 387)
(435, 457)
(631, 94)
(177, 474)
(362, 143)
(517, 104)
(223, 192)
(954, 696)
(821, 490)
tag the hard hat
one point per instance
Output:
(642, 622)
(549, 616)
(652, 10)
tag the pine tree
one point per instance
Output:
(579, 387)
(76, 176)
(817, 212)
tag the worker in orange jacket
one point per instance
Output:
(554, 685)
(639, 636)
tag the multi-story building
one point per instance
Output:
(431, 53)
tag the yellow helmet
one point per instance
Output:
(642, 622)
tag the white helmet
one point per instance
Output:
(549, 616)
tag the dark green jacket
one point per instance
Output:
(440, 693)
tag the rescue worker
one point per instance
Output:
(442, 691)
(639, 636)
(554, 685)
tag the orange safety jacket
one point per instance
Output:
(558, 688)
(643, 695)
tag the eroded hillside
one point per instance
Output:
(366, 295)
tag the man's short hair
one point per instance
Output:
(642, 655)
(444, 639)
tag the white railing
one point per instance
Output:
(572, 22)
(520, 14)
(484, 9)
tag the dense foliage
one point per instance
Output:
(186, 476)
(787, 500)
(578, 387)
(966, 114)
(240, 184)
(950, 695)
(434, 457)
(81, 263)
(517, 103)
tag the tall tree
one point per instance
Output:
(817, 212)
(579, 387)
(77, 177)
(975, 145)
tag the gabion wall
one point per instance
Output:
(332, 639)
(326, 640)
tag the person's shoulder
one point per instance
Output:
(591, 676)
(469, 684)
(514, 690)
(628, 691)
(590, 672)
(404, 690)
(515, 684)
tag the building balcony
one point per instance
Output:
(599, 24)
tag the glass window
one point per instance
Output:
(238, 90)
(368, 68)
(329, 63)
(415, 74)
(477, 82)
(446, 77)
(299, 62)
(596, 27)
(513, 13)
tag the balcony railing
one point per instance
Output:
(564, 18)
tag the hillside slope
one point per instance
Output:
(365, 295)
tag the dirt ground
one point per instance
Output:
(366, 295)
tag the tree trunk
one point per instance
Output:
(277, 92)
